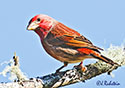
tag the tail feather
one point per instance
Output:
(96, 54)
(103, 58)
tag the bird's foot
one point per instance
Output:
(80, 67)
(57, 71)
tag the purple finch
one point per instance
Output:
(64, 43)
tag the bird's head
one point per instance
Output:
(41, 24)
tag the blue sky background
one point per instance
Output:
(101, 21)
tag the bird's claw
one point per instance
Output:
(80, 67)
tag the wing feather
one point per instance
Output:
(66, 37)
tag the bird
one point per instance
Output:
(64, 43)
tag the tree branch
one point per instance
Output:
(117, 54)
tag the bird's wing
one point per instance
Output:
(67, 41)
(66, 37)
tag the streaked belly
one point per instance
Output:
(65, 54)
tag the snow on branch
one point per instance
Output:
(117, 54)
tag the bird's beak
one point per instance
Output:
(32, 26)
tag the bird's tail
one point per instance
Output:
(103, 58)
(97, 55)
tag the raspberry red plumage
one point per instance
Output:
(64, 43)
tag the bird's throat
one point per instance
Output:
(41, 33)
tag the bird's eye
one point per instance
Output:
(38, 19)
